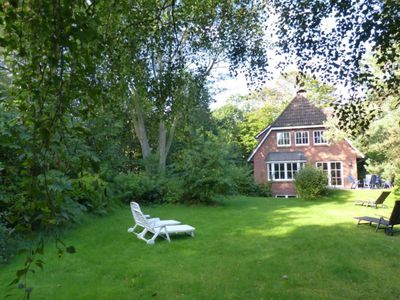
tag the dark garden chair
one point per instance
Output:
(387, 223)
(372, 183)
(379, 201)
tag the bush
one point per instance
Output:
(138, 187)
(311, 182)
(8, 245)
(397, 185)
(173, 188)
(245, 184)
(90, 191)
(261, 190)
(204, 169)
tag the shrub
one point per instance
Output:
(204, 169)
(311, 182)
(397, 185)
(245, 185)
(173, 189)
(90, 191)
(8, 245)
(137, 187)
(261, 190)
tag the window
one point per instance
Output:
(283, 138)
(301, 137)
(334, 171)
(283, 170)
(319, 138)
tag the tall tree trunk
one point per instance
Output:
(164, 143)
(165, 136)
(162, 147)
(139, 125)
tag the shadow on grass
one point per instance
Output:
(309, 262)
(249, 248)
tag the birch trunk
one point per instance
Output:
(165, 136)
(139, 124)
(164, 144)
(162, 147)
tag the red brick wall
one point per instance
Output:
(341, 151)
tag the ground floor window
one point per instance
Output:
(278, 171)
(334, 171)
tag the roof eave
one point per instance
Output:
(358, 152)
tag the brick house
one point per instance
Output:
(297, 138)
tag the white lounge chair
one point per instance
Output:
(138, 223)
(159, 228)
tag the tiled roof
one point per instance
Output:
(300, 112)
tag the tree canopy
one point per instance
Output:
(332, 38)
(93, 94)
(348, 42)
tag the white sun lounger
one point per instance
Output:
(158, 228)
(138, 223)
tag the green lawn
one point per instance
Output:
(241, 250)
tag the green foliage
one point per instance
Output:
(139, 187)
(8, 244)
(318, 30)
(247, 186)
(204, 169)
(380, 145)
(90, 191)
(244, 184)
(311, 182)
(174, 189)
(242, 119)
(148, 59)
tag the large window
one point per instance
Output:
(319, 138)
(301, 137)
(279, 171)
(334, 171)
(283, 138)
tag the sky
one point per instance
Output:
(226, 86)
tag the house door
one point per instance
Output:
(334, 171)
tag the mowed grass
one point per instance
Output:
(242, 250)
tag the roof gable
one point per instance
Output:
(300, 112)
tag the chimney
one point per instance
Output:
(301, 92)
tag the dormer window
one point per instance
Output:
(283, 138)
(301, 138)
(319, 138)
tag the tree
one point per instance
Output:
(157, 50)
(380, 144)
(334, 38)
(52, 79)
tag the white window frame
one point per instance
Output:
(302, 138)
(321, 135)
(329, 171)
(278, 138)
(271, 169)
